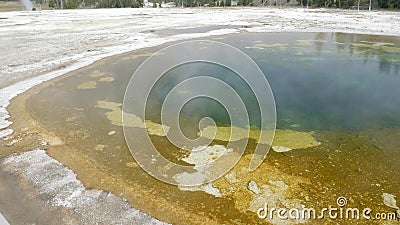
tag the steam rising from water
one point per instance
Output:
(27, 5)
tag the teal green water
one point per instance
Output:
(332, 81)
(322, 81)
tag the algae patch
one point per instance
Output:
(100, 147)
(294, 139)
(88, 85)
(106, 79)
(96, 73)
(290, 139)
(132, 165)
(275, 45)
(147, 54)
(232, 133)
(115, 115)
(385, 47)
(270, 47)
(131, 120)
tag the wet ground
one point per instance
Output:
(357, 156)
(26, 211)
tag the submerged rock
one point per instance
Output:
(252, 186)
(231, 178)
(275, 197)
(389, 200)
(191, 178)
(207, 188)
(202, 158)
(210, 189)
(204, 155)
(281, 149)
(250, 190)
(189, 181)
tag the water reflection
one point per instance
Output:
(370, 47)
(330, 80)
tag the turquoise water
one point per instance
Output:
(328, 81)
(321, 81)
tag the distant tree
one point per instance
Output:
(187, 3)
(137, 4)
(222, 3)
(243, 2)
(52, 4)
(70, 4)
(228, 3)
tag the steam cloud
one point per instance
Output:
(27, 4)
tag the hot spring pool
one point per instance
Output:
(338, 108)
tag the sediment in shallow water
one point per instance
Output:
(61, 188)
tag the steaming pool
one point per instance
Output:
(338, 115)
